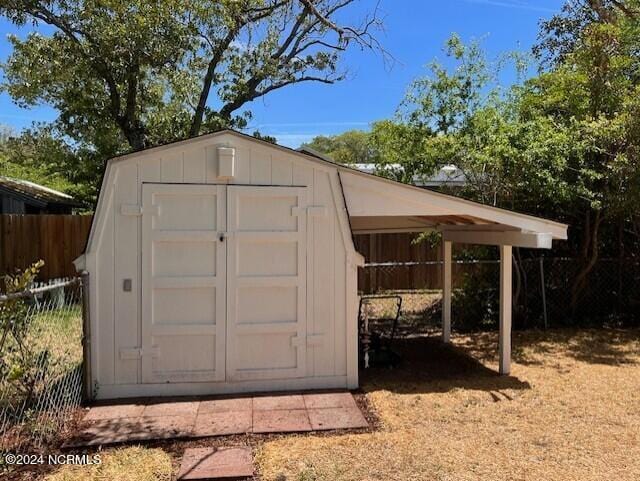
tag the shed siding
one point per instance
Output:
(117, 252)
(126, 234)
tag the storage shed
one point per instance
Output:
(224, 263)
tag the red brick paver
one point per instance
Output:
(221, 423)
(185, 408)
(329, 400)
(336, 418)
(209, 463)
(286, 401)
(219, 417)
(225, 405)
(117, 411)
(281, 421)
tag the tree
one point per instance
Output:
(38, 156)
(564, 144)
(351, 147)
(434, 123)
(560, 35)
(147, 72)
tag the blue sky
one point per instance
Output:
(414, 33)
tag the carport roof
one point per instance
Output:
(376, 204)
(379, 205)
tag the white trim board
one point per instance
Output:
(532, 240)
(116, 391)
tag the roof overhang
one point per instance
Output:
(378, 205)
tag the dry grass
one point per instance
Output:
(568, 412)
(125, 464)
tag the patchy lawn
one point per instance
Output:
(124, 464)
(568, 412)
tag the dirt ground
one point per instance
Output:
(569, 411)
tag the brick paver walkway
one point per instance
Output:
(191, 419)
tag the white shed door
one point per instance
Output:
(266, 282)
(183, 284)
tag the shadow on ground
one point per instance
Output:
(593, 346)
(536, 347)
(429, 366)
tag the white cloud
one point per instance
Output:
(513, 4)
(294, 140)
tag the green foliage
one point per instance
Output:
(127, 75)
(38, 156)
(564, 144)
(19, 362)
(350, 147)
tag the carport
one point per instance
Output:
(377, 205)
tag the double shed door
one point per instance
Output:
(223, 282)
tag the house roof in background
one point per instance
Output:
(448, 175)
(36, 193)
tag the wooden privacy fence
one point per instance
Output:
(56, 239)
(59, 239)
(397, 262)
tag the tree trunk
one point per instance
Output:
(517, 305)
(590, 257)
(621, 254)
(135, 135)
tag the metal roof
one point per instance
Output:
(36, 193)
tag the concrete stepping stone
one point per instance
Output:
(281, 421)
(212, 463)
(336, 418)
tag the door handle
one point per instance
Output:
(221, 236)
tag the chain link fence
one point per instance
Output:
(41, 367)
(542, 293)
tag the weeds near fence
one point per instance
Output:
(40, 364)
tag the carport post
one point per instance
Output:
(505, 309)
(446, 291)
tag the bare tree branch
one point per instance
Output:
(252, 15)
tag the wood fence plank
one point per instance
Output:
(56, 239)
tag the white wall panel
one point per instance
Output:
(281, 170)
(324, 268)
(195, 165)
(106, 300)
(126, 267)
(260, 167)
(172, 167)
